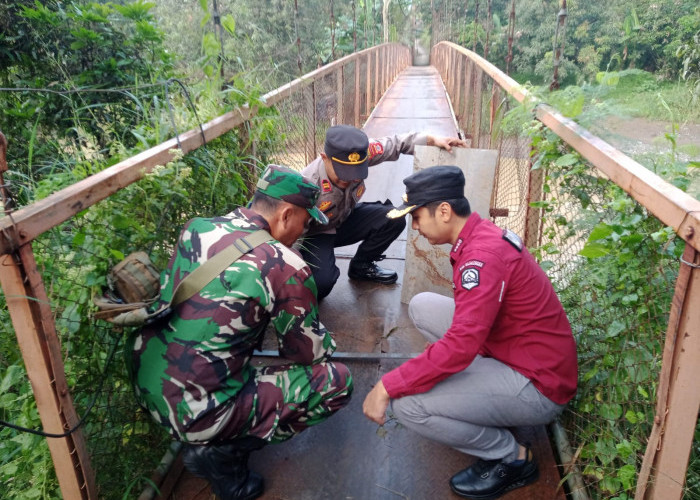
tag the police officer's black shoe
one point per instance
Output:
(225, 466)
(489, 479)
(369, 271)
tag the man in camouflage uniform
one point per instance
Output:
(340, 172)
(192, 371)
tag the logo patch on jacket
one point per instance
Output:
(375, 148)
(360, 191)
(325, 205)
(326, 186)
(470, 278)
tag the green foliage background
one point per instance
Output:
(110, 75)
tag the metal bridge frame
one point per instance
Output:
(671, 438)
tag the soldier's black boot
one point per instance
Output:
(369, 271)
(225, 466)
(489, 479)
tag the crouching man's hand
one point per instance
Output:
(376, 403)
(446, 143)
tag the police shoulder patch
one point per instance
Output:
(470, 278)
(325, 205)
(375, 148)
(360, 191)
(513, 239)
(326, 186)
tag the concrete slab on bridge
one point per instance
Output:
(349, 457)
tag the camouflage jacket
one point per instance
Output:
(338, 203)
(189, 367)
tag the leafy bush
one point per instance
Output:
(115, 98)
(613, 265)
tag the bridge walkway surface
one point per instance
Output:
(348, 457)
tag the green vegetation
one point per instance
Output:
(88, 84)
(614, 266)
(94, 85)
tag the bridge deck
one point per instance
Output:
(349, 457)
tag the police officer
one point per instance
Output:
(192, 372)
(502, 352)
(340, 172)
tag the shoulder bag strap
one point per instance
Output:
(200, 277)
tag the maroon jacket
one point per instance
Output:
(505, 308)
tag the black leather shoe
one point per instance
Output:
(226, 468)
(489, 479)
(369, 271)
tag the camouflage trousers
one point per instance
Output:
(281, 401)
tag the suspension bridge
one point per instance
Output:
(349, 457)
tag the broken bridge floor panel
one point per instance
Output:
(347, 457)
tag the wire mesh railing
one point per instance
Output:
(56, 254)
(596, 220)
(614, 238)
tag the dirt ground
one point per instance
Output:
(639, 138)
(639, 135)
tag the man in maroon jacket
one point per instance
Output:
(502, 353)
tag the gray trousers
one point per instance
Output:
(471, 410)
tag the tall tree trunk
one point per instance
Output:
(476, 25)
(385, 19)
(559, 47)
(354, 27)
(296, 32)
(489, 19)
(219, 31)
(332, 32)
(511, 35)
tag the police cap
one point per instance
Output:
(347, 147)
(441, 183)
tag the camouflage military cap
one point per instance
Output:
(288, 185)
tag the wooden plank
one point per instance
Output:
(368, 85)
(340, 96)
(677, 304)
(357, 99)
(52, 353)
(459, 83)
(468, 98)
(375, 87)
(427, 267)
(27, 322)
(676, 437)
(503, 80)
(477, 107)
(533, 215)
(493, 112)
